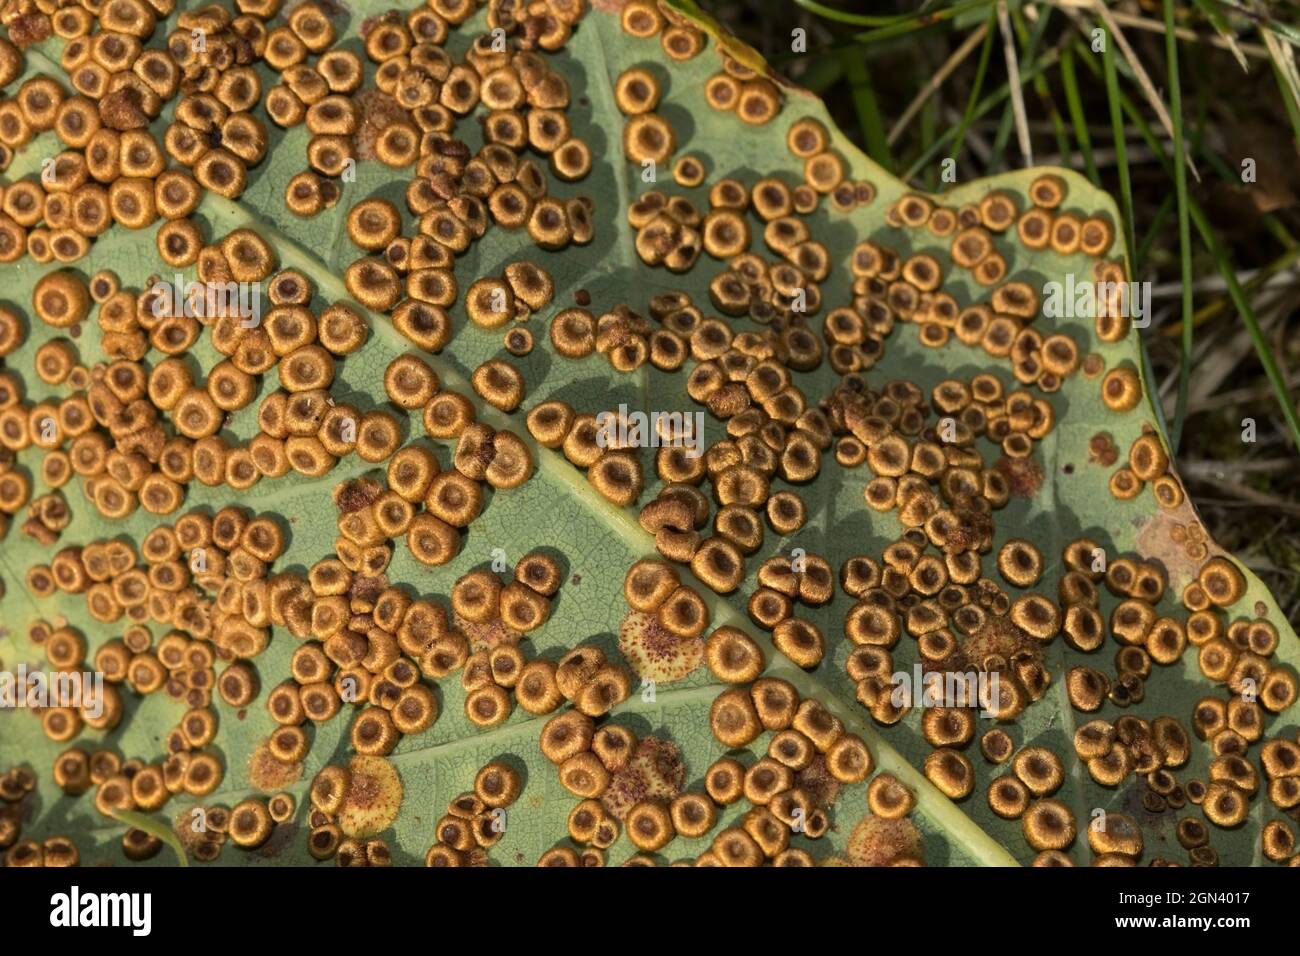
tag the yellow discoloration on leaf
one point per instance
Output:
(374, 797)
(656, 654)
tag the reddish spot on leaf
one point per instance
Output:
(1102, 450)
(1024, 475)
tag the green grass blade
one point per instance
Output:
(929, 130)
(1284, 30)
(853, 19)
(823, 73)
(1153, 231)
(1070, 81)
(151, 825)
(1235, 291)
(1121, 144)
(1184, 224)
(1206, 312)
(1221, 27)
(1048, 60)
(870, 122)
(1276, 228)
(1289, 95)
(918, 21)
(1238, 295)
(1041, 86)
(1027, 55)
(981, 68)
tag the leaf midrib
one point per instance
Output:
(930, 800)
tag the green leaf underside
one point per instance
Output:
(557, 510)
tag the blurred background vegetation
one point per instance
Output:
(1000, 84)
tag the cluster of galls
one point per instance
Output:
(738, 89)
(628, 340)
(139, 436)
(451, 498)
(47, 516)
(671, 231)
(1148, 464)
(649, 139)
(1049, 825)
(375, 641)
(1280, 759)
(214, 131)
(585, 757)
(624, 782)
(491, 302)
(133, 785)
(809, 757)
(1146, 637)
(962, 623)
(1235, 653)
(786, 290)
(678, 35)
(615, 472)
(744, 379)
(15, 785)
(909, 458)
(107, 432)
(227, 555)
(623, 336)
(493, 619)
(475, 820)
(661, 635)
(15, 488)
(455, 193)
(360, 633)
(320, 95)
(936, 482)
(889, 287)
(350, 807)
(204, 830)
(1152, 749)
(114, 170)
(300, 429)
(783, 583)
(1238, 653)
